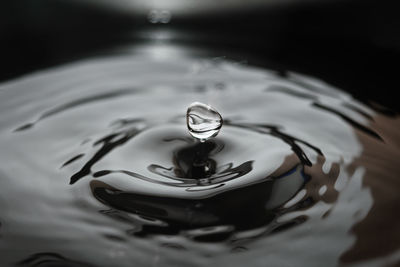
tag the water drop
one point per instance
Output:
(203, 121)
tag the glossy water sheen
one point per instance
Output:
(203, 121)
(98, 169)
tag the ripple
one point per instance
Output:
(298, 165)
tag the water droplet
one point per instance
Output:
(203, 121)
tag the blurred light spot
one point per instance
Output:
(158, 35)
(322, 190)
(159, 51)
(159, 16)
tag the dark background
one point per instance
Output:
(354, 45)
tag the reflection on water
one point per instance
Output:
(98, 166)
(50, 259)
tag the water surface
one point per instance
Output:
(98, 169)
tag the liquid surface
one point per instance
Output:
(98, 169)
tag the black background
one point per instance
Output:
(354, 45)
